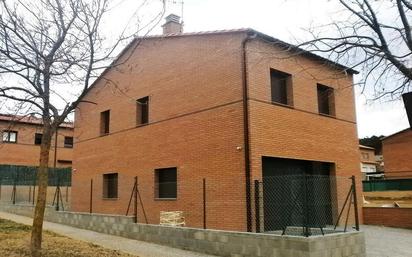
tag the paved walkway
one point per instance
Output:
(134, 247)
(387, 242)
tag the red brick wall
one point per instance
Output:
(25, 152)
(196, 124)
(397, 154)
(390, 217)
(300, 132)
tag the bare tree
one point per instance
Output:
(373, 36)
(50, 52)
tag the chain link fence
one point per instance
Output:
(302, 205)
(305, 205)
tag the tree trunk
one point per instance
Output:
(42, 181)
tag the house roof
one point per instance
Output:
(241, 30)
(29, 120)
(262, 36)
(366, 147)
(397, 133)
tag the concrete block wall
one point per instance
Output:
(216, 242)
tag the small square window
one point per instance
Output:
(166, 183)
(326, 100)
(37, 138)
(110, 185)
(105, 122)
(142, 111)
(68, 142)
(9, 136)
(281, 87)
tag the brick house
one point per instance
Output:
(21, 139)
(229, 106)
(368, 163)
(397, 153)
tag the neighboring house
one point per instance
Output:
(228, 106)
(21, 139)
(397, 153)
(368, 163)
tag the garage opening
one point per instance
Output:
(297, 193)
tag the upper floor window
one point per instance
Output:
(68, 142)
(142, 111)
(105, 122)
(365, 156)
(281, 87)
(110, 185)
(326, 100)
(166, 183)
(9, 136)
(37, 138)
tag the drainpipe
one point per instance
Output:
(250, 35)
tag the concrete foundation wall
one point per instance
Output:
(221, 243)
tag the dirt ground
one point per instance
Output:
(401, 199)
(15, 239)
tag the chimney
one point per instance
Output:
(172, 25)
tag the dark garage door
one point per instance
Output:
(295, 193)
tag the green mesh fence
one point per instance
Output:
(27, 175)
(387, 185)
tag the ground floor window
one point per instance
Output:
(166, 183)
(110, 185)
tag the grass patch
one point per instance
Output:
(15, 241)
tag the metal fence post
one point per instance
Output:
(14, 191)
(355, 203)
(257, 206)
(34, 189)
(135, 199)
(58, 193)
(306, 207)
(91, 196)
(204, 203)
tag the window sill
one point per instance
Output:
(283, 105)
(327, 115)
(7, 142)
(165, 199)
(110, 199)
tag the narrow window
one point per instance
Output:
(281, 87)
(110, 185)
(142, 111)
(37, 138)
(166, 183)
(9, 136)
(68, 142)
(326, 101)
(105, 122)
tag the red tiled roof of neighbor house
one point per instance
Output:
(30, 120)
(397, 133)
(366, 147)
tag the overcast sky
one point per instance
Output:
(286, 20)
(283, 19)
